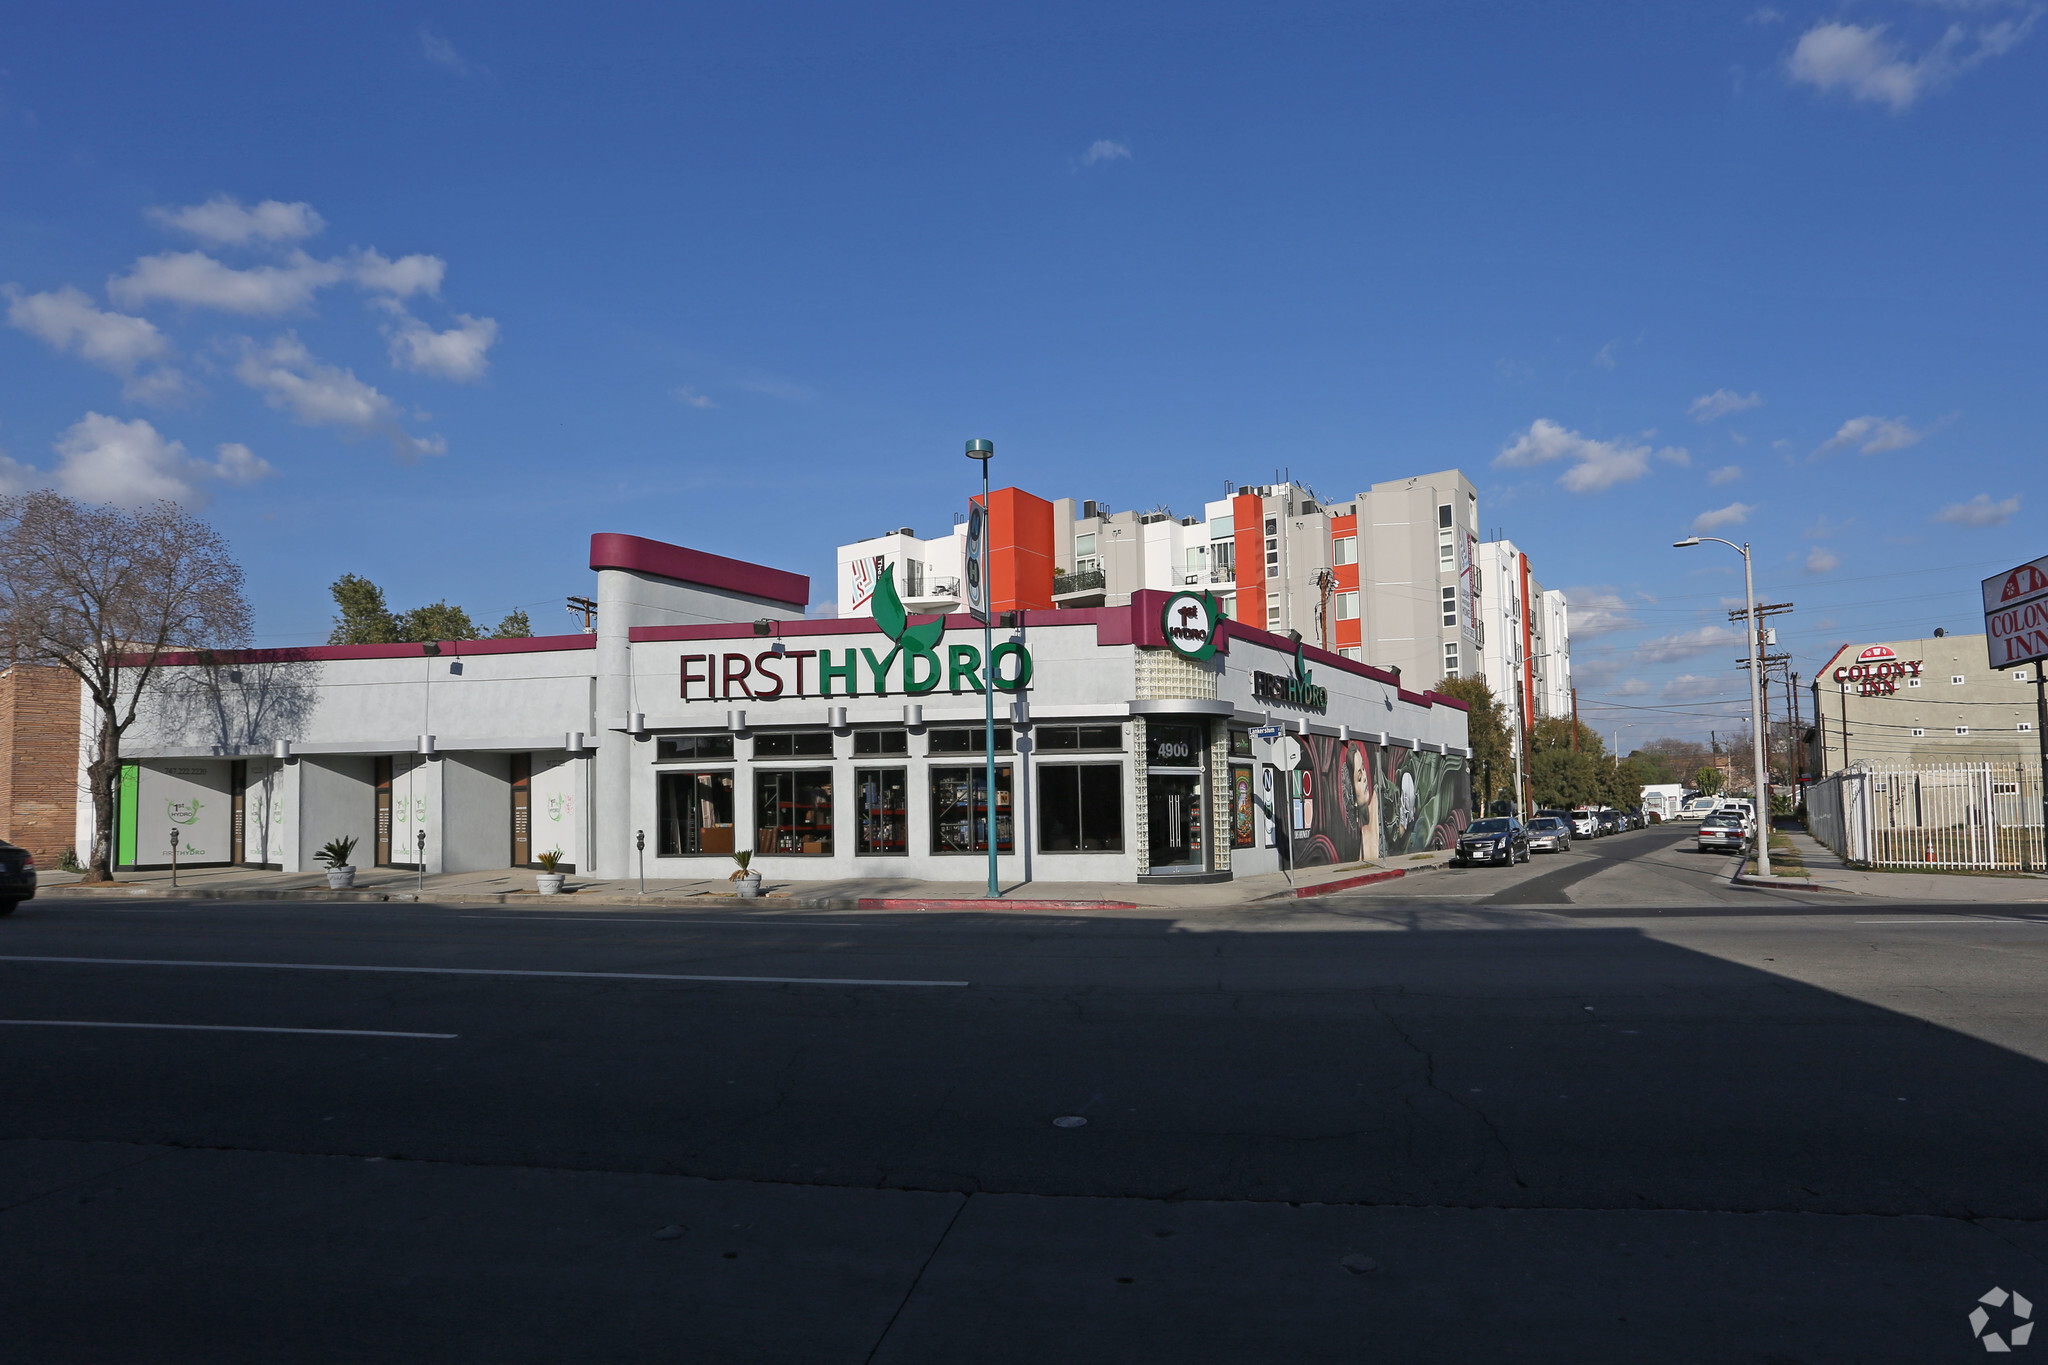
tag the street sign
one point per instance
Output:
(2016, 615)
(1287, 753)
(1269, 734)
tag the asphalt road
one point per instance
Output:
(1537, 1123)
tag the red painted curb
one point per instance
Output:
(984, 903)
(1345, 883)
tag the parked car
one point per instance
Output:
(17, 876)
(1723, 831)
(1549, 834)
(1586, 822)
(1497, 839)
(1563, 815)
(1610, 821)
(1699, 808)
(1636, 818)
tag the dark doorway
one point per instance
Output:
(1175, 824)
(522, 810)
(384, 811)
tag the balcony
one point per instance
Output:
(1223, 573)
(1083, 589)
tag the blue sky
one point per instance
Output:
(432, 294)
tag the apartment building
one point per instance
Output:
(929, 571)
(1524, 637)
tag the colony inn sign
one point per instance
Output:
(1877, 671)
(2016, 615)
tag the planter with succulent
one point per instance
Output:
(341, 875)
(749, 881)
(549, 882)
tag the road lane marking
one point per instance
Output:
(225, 1028)
(1953, 919)
(656, 918)
(480, 971)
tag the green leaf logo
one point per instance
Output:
(895, 622)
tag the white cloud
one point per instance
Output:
(67, 320)
(1873, 436)
(223, 221)
(1597, 611)
(197, 279)
(1980, 511)
(441, 52)
(1632, 687)
(16, 477)
(1765, 15)
(1819, 559)
(1863, 62)
(457, 354)
(1604, 357)
(1727, 473)
(1693, 687)
(1597, 465)
(1734, 514)
(404, 277)
(1677, 455)
(684, 394)
(103, 459)
(1105, 150)
(290, 379)
(236, 463)
(1722, 402)
(1686, 643)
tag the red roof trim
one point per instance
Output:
(637, 554)
(450, 649)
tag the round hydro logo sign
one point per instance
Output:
(1190, 621)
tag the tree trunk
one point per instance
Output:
(103, 775)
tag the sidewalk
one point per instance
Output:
(515, 886)
(1830, 873)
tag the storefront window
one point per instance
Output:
(693, 814)
(793, 812)
(1081, 808)
(798, 744)
(1067, 738)
(867, 742)
(960, 810)
(968, 739)
(674, 748)
(884, 795)
(1240, 744)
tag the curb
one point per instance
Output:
(1346, 883)
(566, 900)
(984, 903)
(1744, 879)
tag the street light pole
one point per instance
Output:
(1756, 703)
(985, 451)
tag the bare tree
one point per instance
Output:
(107, 593)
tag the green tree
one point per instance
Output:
(1555, 732)
(514, 627)
(436, 621)
(1563, 779)
(1708, 780)
(1486, 730)
(364, 619)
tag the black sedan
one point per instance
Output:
(1611, 822)
(17, 877)
(1499, 839)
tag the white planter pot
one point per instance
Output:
(749, 886)
(340, 878)
(550, 883)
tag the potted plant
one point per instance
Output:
(749, 881)
(549, 882)
(341, 875)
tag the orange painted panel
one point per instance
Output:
(1020, 551)
(1248, 517)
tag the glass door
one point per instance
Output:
(1176, 823)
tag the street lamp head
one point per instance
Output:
(981, 450)
(1683, 544)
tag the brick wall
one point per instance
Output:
(39, 760)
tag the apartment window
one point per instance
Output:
(2020, 675)
(1450, 604)
(1450, 661)
(1443, 515)
(960, 810)
(2026, 727)
(967, 739)
(1353, 653)
(1223, 554)
(1222, 528)
(1084, 547)
(1446, 553)
(877, 742)
(1347, 606)
(1080, 808)
(1068, 738)
(1272, 611)
(692, 814)
(1346, 550)
(882, 814)
(676, 748)
(1912, 682)
(1272, 527)
(1962, 729)
(1198, 558)
(1955, 678)
(794, 744)
(1919, 733)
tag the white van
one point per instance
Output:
(1699, 808)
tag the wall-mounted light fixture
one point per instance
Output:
(427, 745)
(573, 741)
(736, 721)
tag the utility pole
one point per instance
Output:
(1845, 724)
(1575, 719)
(584, 607)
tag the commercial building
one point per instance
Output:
(39, 756)
(1936, 699)
(707, 717)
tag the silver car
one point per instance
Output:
(1548, 834)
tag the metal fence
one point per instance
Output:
(1966, 816)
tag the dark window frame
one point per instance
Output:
(882, 748)
(1046, 775)
(767, 778)
(1042, 739)
(798, 741)
(665, 821)
(1006, 740)
(860, 812)
(670, 748)
(975, 775)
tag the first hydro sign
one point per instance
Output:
(1190, 621)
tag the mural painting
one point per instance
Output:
(1358, 802)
